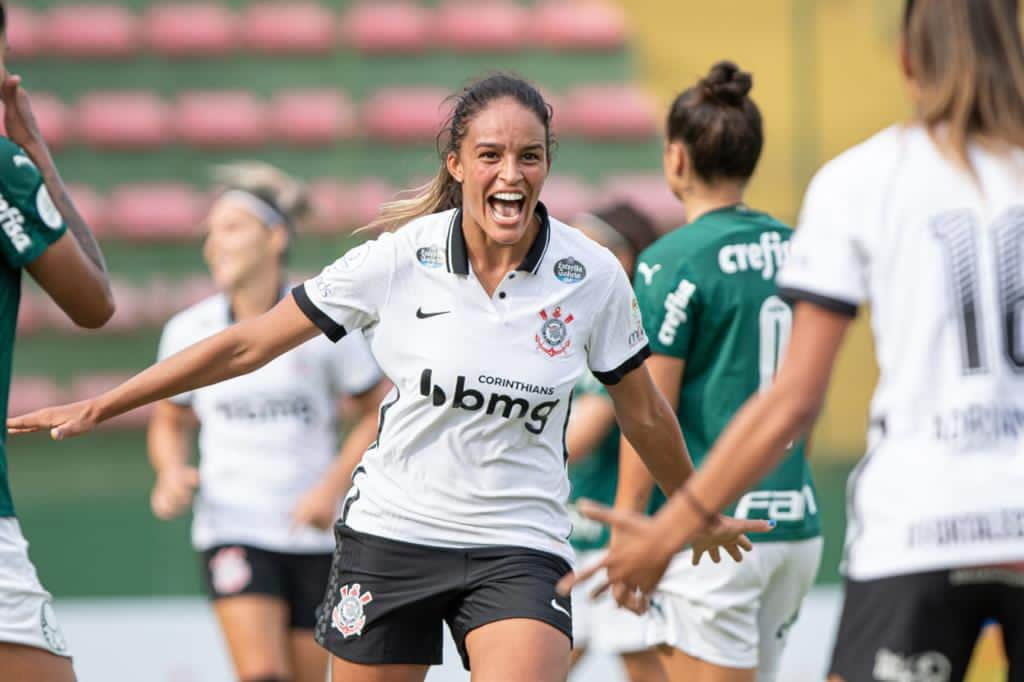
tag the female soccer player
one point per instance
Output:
(269, 481)
(36, 215)
(717, 328)
(926, 222)
(592, 440)
(484, 312)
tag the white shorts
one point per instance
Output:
(27, 608)
(735, 615)
(600, 624)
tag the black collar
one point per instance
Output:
(458, 256)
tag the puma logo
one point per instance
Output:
(648, 272)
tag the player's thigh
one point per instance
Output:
(255, 627)
(911, 626)
(794, 566)
(350, 671)
(644, 666)
(709, 613)
(680, 666)
(518, 650)
(21, 663)
(309, 659)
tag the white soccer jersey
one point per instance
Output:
(267, 437)
(940, 258)
(471, 450)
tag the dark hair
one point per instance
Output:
(634, 225)
(719, 124)
(967, 59)
(443, 193)
(3, 17)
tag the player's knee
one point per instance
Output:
(835, 678)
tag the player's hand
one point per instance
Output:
(317, 508)
(19, 120)
(63, 421)
(173, 492)
(728, 534)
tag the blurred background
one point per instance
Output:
(140, 98)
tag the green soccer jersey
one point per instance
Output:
(595, 478)
(707, 293)
(29, 223)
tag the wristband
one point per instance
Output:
(709, 518)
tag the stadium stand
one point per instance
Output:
(289, 28)
(107, 31)
(190, 30)
(228, 119)
(395, 28)
(123, 120)
(312, 117)
(489, 26)
(577, 26)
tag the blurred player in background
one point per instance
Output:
(924, 221)
(42, 233)
(592, 440)
(718, 329)
(269, 481)
(485, 312)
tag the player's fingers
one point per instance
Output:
(570, 580)
(696, 555)
(190, 476)
(715, 555)
(755, 526)
(744, 542)
(600, 589)
(734, 552)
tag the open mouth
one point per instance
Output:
(507, 208)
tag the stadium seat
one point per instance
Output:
(131, 310)
(312, 117)
(289, 28)
(99, 30)
(221, 119)
(148, 212)
(565, 196)
(579, 26)
(332, 206)
(387, 27)
(92, 207)
(123, 120)
(613, 111)
(91, 386)
(31, 316)
(30, 393)
(650, 194)
(401, 115)
(482, 26)
(365, 198)
(190, 29)
(53, 119)
(24, 32)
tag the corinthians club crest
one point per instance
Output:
(348, 617)
(553, 337)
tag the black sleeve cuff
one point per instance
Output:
(329, 327)
(612, 377)
(835, 305)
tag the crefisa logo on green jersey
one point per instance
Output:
(766, 256)
(12, 222)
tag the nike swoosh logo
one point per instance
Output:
(556, 607)
(422, 315)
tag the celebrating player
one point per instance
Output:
(592, 440)
(717, 329)
(269, 482)
(926, 222)
(36, 215)
(484, 312)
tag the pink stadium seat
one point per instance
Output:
(148, 212)
(197, 29)
(31, 315)
(53, 118)
(387, 27)
(221, 120)
(92, 207)
(289, 28)
(30, 393)
(91, 31)
(482, 26)
(612, 111)
(567, 25)
(90, 386)
(648, 193)
(312, 117)
(24, 31)
(331, 205)
(123, 120)
(405, 115)
(131, 310)
(365, 198)
(565, 196)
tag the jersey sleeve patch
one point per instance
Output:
(618, 341)
(29, 220)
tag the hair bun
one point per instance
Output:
(726, 84)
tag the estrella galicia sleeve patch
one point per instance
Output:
(570, 270)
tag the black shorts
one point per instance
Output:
(298, 579)
(923, 626)
(386, 600)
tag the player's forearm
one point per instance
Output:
(168, 444)
(62, 200)
(656, 438)
(635, 484)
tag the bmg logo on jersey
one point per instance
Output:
(507, 406)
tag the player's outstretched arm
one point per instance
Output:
(237, 350)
